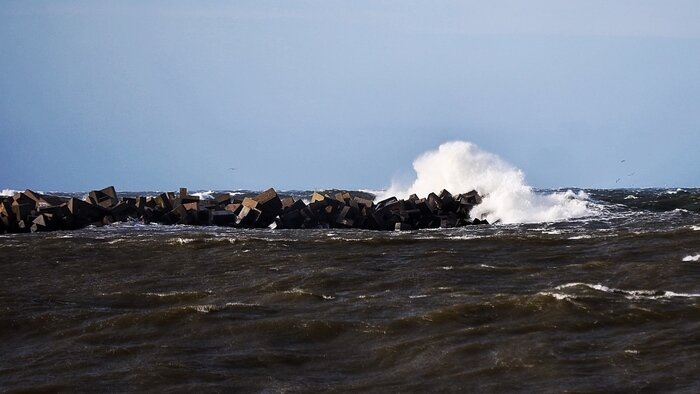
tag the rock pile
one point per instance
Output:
(29, 211)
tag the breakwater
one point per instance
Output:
(30, 211)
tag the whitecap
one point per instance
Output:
(558, 296)
(581, 237)
(204, 195)
(461, 166)
(8, 192)
(631, 197)
(692, 258)
(182, 241)
(231, 304)
(418, 296)
(207, 308)
(631, 294)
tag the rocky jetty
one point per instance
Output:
(29, 211)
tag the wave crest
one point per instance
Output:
(461, 166)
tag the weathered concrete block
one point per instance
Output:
(344, 217)
(473, 197)
(163, 202)
(296, 206)
(388, 201)
(363, 202)
(84, 213)
(316, 197)
(22, 210)
(269, 205)
(248, 217)
(42, 200)
(291, 219)
(249, 202)
(434, 202)
(234, 208)
(222, 199)
(106, 198)
(223, 218)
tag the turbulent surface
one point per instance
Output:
(605, 303)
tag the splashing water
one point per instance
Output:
(461, 166)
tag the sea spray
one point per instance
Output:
(461, 166)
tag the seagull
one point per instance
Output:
(232, 168)
(618, 180)
(623, 160)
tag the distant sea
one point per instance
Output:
(606, 302)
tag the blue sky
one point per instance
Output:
(318, 94)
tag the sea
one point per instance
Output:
(603, 300)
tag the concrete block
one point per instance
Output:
(344, 217)
(434, 202)
(472, 197)
(163, 202)
(363, 202)
(105, 198)
(269, 205)
(44, 199)
(249, 202)
(22, 210)
(316, 197)
(296, 206)
(222, 199)
(291, 219)
(386, 202)
(248, 217)
(84, 213)
(234, 208)
(223, 218)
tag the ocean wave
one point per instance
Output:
(8, 192)
(461, 166)
(630, 294)
(692, 258)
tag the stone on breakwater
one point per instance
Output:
(30, 211)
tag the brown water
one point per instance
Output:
(605, 303)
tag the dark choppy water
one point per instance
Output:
(608, 303)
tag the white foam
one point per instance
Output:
(8, 192)
(461, 166)
(182, 241)
(581, 237)
(695, 228)
(558, 296)
(204, 195)
(692, 258)
(674, 191)
(207, 308)
(631, 197)
(631, 294)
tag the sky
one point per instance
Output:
(346, 94)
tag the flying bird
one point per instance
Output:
(232, 168)
(631, 174)
(623, 160)
(618, 180)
